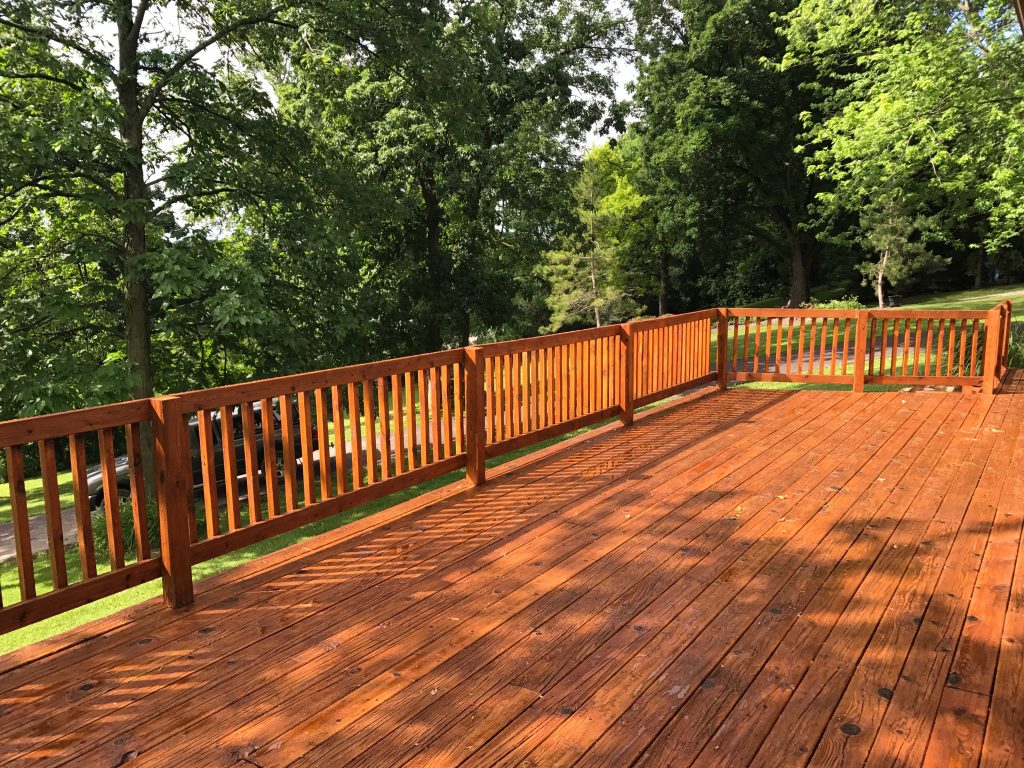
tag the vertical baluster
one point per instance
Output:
(846, 346)
(974, 350)
(54, 523)
(323, 434)
(735, 342)
(370, 432)
(289, 440)
(83, 517)
(446, 401)
(308, 449)
(19, 517)
(252, 467)
(916, 346)
(396, 417)
(229, 463)
(270, 456)
(800, 348)
(435, 412)
(410, 422)
(355, 436)
(138, 494)
(906, 346)
(421, 382)
(111, 498)
(490, 392)
(963, 347)
(884, 346)
(208, 467)
(755, 364)
(789, 347)
(509, 396)
(385, 428)
(458, 372)
(927, 348)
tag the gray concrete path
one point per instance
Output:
(37, 534)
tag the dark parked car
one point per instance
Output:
(95, 474)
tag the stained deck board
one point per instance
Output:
(574, 610)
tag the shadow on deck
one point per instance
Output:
(743, 578)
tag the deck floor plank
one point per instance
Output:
(742, 578)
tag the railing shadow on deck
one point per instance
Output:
(336, 578)
(239, 464)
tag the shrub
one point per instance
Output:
(99, 527)
(847, 302)
(1016, 345)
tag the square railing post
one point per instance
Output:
(860, 350)
(993, 342)
(476, 435)
(722, 351)
(174, 499)
(626, 381)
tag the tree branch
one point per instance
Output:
(56, 37)
(198, 48)
(41, 76)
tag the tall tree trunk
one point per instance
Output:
(437, 274)
(135, 282)
(979, 271)
(880, 280)
(799, 291)
(663, 282)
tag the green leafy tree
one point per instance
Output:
(588, 283)
(465, 121)
(128, 132)
(920, 99)
(719, 128)
(894, 236)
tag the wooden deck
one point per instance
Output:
(744, 578)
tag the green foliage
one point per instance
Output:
(847, 302)
(588, 277)
(917, 128)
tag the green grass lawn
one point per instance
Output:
(34, 495)
(979, 298)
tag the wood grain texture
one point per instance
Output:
(746, 578)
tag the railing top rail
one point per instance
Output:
(928, 314)
(53, 425)
(891, 314)
(497, 348)
(667, 320)
(231, 394)
(795, 313)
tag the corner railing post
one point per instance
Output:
(722, 351)
(174, 499)
(860, 350)
(626, 396)
(476, 436)
(993, 338)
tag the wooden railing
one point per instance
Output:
(966, 348)
(238, 464)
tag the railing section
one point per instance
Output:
(967, 348)
(84, 466)
(155, 486)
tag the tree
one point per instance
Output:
(719, 127)
(114, 124)
(466, 120)
(895, 236)
(924, 104)
(586, 278)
